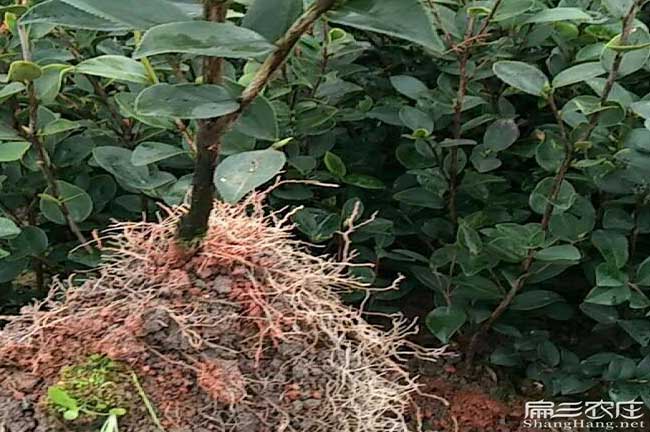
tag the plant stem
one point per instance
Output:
(194, 223)
(463, 49)
(518, 285)
(43, 158)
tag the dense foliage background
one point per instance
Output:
(503, 148)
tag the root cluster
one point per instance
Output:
(247, 334)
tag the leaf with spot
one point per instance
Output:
(241, 173)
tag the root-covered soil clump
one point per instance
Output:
(247, 334)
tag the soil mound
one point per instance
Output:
(246, 335)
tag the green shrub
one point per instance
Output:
(503, 148)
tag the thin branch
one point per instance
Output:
(43, 158)
(518, 285)
(194, 224)
(463, 49)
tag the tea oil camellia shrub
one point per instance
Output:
(493, 153)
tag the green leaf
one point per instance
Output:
(117, 161)
(24, 71)
(501, 134)
(639, 330)
(31, 242)
(410, 87)
(145, 15)
(577, 74)
(115, 67)
(79, 203)
(10, 90)
(59, 126)
(319, 225)
(559, 253)
(609, 296)
(445, 321)
(8, 228)
(335, 164)
(415, 119)
(540, 198)
(403, 19)
(186, 101)
(62, 398)
(549, 353)
(151, 152)
(559, 14)
(600, 313)
(284, 13)
(48, 85)
(364, 181)
(607, 275)
(633, 59)
(535, 299)
(618, 8)
(13, 151)
(522, 76)
(56, 12)
(419, 197)
(469, 238)
(259, 120)
(241, 173)
(203, 38)
(643, 273)
(612, 246)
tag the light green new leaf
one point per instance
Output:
(203, 38)
(24, 71)
(241, 173)
(138, 16)
(404, 19)
(8, 228)
(57, 12)
(185, 101)
(445, 321)
(152, 152)
(559, 14)
(115, 67)
(579, 73)
(79, 203)
(522, 76)
(284, 13)
(13, 151)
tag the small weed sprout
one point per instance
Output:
(90, 391)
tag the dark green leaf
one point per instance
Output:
(445, 321)
(203, 38)
(187, 101)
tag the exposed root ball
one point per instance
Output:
(246, 335)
